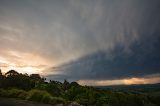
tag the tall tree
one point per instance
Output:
(11, 73)
(0, 72)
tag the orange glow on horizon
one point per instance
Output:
(127, 81)
(23, 62)
(23, 69)
(142, 80)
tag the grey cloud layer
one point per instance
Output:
(61, 31)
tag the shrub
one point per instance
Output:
(103, 100)
(46, 98)
(82, 101)
(39, 96)
(3, 93)
(15, 92)
(23, 95)
(57, 100)
(12, 93)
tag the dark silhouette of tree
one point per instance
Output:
(35, 76)
(55, 88)
(11, 73)
(36, 80)
(2, 80)
(66, 85)
(74, 84)
(0, 72)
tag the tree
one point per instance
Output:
(11, 73)
(74, 84)
(0, 72)
(36, 80)
(2, 80)
(65, 85)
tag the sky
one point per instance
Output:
(93, 42)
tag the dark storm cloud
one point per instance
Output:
(142, 60)
(135, 50)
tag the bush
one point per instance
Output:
(23, 95)
(39, 96)
(82, 101)
(15, 93)
(103, 100)
(46, 98)
(32, 95)
(3, 93)
(57, 100)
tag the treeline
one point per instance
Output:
(35, 88)
(21, 81)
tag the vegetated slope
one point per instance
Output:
(34, 88)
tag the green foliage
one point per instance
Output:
(23, 95)
(34, 88)
(155, 100)
(46, 98)
(55, 88)
(3, 93)
(103, 101)
(39, 96)
(15, 93)
(32, 95)
(83, 95)
(57, 100)
(21, 81)
(66, 85)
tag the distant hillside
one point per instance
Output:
(135, 87)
